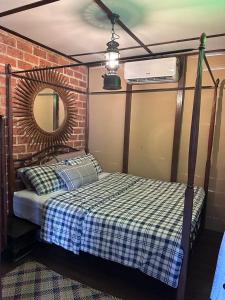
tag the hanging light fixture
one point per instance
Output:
(111, 79)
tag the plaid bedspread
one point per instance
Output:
(127, 219)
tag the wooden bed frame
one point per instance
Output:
(188, 201)
(39, 158)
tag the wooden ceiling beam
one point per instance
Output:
(218, 35)
(121, 24)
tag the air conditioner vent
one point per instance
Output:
(152, 71)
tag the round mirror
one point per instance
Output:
(48, 110)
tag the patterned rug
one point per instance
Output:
(33, 280)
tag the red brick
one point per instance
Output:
(24, 46)
(8, 60)
(19, 148)
(22, 139)
(7, 40)
(64, 61)
(82, 111)
(25, 56)
(82, 69)
(2, 48)
(31, 59)
(82, 84)
(79, 104)
(17, 130)
(2, 111)
(24, 65)
(2, 90)
(77, 75)
(80, 137)
(73, 81)
(77, 130)
(39, 52)
(2, 67)
(52, 58)
(11, 51)
(68, 72)
(82, 97)
(2, 81)
(45, 63)
(81, 124)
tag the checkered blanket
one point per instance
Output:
(127, 219)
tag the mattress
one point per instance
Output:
(28, 205)
(127, 219)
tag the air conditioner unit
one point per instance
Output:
(152, 71)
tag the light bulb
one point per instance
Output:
(112, 60)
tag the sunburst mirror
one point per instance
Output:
(44, 109)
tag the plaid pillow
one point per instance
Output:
(80, 159)
(44, 179)
(75, 176)
(25, 180)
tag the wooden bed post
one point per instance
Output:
(210, 138)
(178, 120)
(87, 114)
(9, 114)
(209, 152)
(189, 193)
(126, 139)
(3, 194)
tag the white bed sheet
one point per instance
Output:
(28, 205)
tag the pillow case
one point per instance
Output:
(44, 179)
(75, 176)
(80, 159)
(25, 180)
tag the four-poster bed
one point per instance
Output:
(54, 149)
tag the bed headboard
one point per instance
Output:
(39, 158)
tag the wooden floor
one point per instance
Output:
(127, 283)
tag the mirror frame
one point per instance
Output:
(25, 94)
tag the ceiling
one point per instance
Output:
(77, 26)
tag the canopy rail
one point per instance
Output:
(49, 83)
(122, 60)
(186, 88)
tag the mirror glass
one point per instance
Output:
(48, 110)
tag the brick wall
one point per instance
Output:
(25, 55)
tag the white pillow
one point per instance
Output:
(75, 176)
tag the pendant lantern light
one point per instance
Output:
(111, 79)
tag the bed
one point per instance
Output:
(127, 219)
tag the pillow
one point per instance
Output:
(80, 159)
(69, 155)
(75, 176)
(25, 180)
(44, 179)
